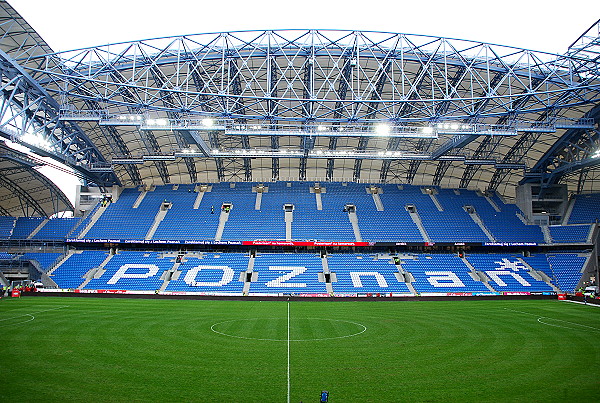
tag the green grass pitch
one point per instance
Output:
(94, 349)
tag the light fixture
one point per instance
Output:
(382, 129)
(208, 122)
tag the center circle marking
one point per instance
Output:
(361, 329)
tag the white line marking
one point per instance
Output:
(288, 352)
(364, 329)
(582, 303)
(558, 320)
(29, 314)
(18, 323)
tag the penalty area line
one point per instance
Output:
(582, 303)
(540, 320)
(31, 313)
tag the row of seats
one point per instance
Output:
(304, 272)
(443, 216)
(586, 209)
(246, 222)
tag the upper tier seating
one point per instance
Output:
(391, 224)
(121, 221)
(7, 224)
(586, 209)
(56, 228)
(25, 226)
(448, 223)
(183, 222)
(453, 222)
(245, 222)
(569, 233)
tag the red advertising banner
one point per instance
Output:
(307, 243)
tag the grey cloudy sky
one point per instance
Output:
(537, 25)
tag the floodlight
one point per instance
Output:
(208, 122)
(382, 129)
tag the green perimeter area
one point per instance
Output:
(94, 349)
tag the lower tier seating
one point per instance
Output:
(306, 273)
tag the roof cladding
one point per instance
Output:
(310, 105)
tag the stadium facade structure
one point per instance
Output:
(299, 106)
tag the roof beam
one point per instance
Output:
(575, 144)
(342, 91)
(373, 108)
(27, 201)
(40, 114)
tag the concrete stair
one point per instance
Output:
(253, 276)
(354, 222)
(95, 272)
(546, 232)
(475, 217)
(38, 228)
(97, 214)
(377, 201)
(139, 199)
(416, 218)
(222, 221)
(160, 216)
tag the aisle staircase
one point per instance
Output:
(95, 272)
(38, 228)
(222, 221)
(414, 215)
(160, 216)
(97, 214)
(475, 217)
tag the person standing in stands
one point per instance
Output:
(212, 209)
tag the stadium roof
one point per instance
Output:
(313, 105)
